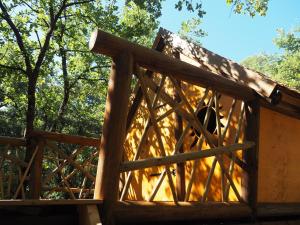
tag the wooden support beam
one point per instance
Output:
(182, 157)
(12, 141)
(36, 202)
(113, 135)
(110, 45)
(88, 215)
(182, 211)
(66, 138)
(249, 181)
(180, 167)
(273, 210)
(36, 172)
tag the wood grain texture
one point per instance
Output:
(249, 181)
(279, 158)
(66, 138)
(182, 157)
(113, 135)
(220, 65)
(110, 45)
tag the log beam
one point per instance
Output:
(182, 211)
(113, 135)
(110, 45)
(181, 157)
(66, 138)
(12, 141)
(249, 181)
(36, 171)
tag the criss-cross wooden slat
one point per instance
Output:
(66, 177)
(23, 180)
(143, 138)
(192, 121)
(236, 139)
(200, 143)
(178, 146)
(209, 140)
(26, 171)
(62, 165)
(158, 133)
(210, 174)
(218, 142)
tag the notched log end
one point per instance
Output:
(93, 40)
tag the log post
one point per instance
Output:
(113, 135)
(249, 181)
(178, 127)
(36, 170)
(180, 167)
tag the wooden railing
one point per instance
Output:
(137, 136)
(155, 74)
(61, 167)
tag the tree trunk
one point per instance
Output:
(63, 105)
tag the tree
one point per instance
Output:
(250, 7)
(44, 56)
(285, 67)
(49, 79)
(51, 58)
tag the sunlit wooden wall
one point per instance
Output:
(144, 181)
(279, 158)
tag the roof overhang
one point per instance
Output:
(272, 94)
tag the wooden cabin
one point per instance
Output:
(199, 129)
(277, 132)
(188, 136)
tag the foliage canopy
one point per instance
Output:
(48, 78)
(285, 67)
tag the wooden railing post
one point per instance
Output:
(113, 135)
(250, 179)
(36, 170)
(180, 167)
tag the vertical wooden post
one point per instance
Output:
(36, 171)
(249, 182)
(180, 167)
(113, 135)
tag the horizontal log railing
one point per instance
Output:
(183, 157)
(61, 166)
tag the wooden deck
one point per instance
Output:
(127, 212)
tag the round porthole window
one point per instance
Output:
(212, 121)
(211, 125)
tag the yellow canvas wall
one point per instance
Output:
(144, 181)
(279, 158)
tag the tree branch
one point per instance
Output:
(53, 20)
(18, 35)
(13, 68)
(29, 6)
(79, 2)
(38, 38)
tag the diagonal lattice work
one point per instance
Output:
(60, 167)
(13, 170)
(184, 143)
(68, 176)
